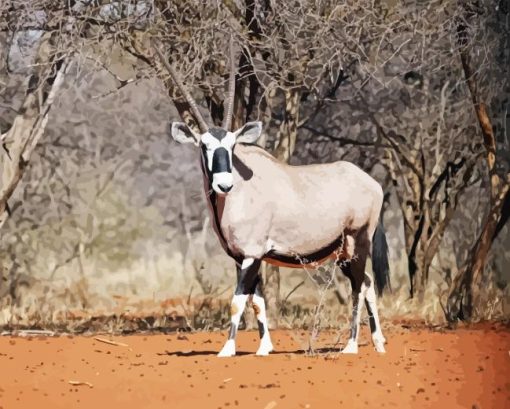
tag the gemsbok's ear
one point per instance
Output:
(249, 133)
(183, 134)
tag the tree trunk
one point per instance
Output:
(287, 134)
(464, 291)
(414, 241)
(28, 127)
(408, 179)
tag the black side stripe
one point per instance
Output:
(298, 259)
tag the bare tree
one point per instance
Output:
(25, 132)
(464, 293)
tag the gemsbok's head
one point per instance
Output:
(216, 143)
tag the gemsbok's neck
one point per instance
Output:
(216, 204)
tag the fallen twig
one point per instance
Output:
(29, 332)
(107, 341)
(416, 350)
(79, 383)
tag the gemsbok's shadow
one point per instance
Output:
(245, 353)
(196, 353)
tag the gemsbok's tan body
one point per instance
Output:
(339, 195)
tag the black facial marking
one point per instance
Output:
(205, 169)
(218, 133)
(221, 161)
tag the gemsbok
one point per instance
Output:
(266, 210)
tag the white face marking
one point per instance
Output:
(210, 141)
(211, 144)
(228, 141)
(210, 154)
(222, 178)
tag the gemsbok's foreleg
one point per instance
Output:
(247, 280)
(375, 326)
(259, 306)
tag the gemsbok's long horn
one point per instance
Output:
(228, 105)
(175, 77)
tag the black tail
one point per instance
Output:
(380, 263)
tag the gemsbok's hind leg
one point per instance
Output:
(259, 306)
(375, 326)
(355, 271)
(247, 280)
(358, 298)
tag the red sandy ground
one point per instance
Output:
(466, 368)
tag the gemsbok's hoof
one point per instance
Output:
(229, 349)
(351, 347)
(265, 348)
(379, 345)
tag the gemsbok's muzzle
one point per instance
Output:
(222, 178)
